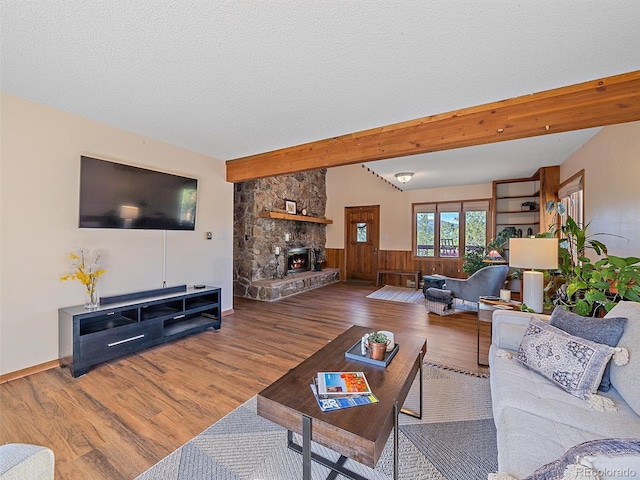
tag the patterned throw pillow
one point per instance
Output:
(573, 363)
(606, 330)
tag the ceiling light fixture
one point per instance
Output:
(404, 177)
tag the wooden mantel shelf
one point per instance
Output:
(296, 218)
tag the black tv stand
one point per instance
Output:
(125, 324)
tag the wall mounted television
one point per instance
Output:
(115, 195)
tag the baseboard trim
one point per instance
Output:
(25, 372)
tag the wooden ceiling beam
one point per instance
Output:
(590, 104)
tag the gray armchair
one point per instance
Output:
(485, 282)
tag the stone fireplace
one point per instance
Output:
(257, 236)
(298, 260)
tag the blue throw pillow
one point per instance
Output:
(600, 330)
(573, 363)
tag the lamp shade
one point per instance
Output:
(533, 253)
(493, 257)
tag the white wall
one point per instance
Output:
(352, 186)
(40, 160)
(611, 160)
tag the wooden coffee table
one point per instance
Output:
(359, 433)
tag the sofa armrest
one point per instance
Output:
(509, 326)
(463, 289)
(20, 461)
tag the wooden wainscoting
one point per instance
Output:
(401, 260)
(336, 259)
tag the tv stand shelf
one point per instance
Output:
(129, 323)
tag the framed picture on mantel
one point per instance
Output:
(290, 207)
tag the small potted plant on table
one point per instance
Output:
(377, 345)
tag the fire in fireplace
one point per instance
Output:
(298, 260)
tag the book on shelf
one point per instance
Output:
(328, 403)
(342, 383)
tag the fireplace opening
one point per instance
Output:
(298, 260)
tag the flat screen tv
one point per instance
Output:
(115, 195)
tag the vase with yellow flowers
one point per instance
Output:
(86, 267)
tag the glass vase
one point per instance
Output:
(92, 298)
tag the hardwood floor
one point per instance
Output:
(125, 415)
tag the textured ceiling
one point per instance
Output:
(235, 78)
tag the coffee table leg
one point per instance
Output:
(337, 468)
(411, 413)
(306, 447)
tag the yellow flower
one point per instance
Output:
(85, 268)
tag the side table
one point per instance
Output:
(485, 314)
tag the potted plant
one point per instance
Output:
(514, 280)
(377, 345)
(581, 284)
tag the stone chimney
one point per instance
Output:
(256, 238)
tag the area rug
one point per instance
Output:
(398, 294)
(455, 440)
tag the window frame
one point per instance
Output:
(437, 208)
(573, 187)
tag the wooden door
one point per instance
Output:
(362, 232)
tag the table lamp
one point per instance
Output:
(493, 257)
(533, 253)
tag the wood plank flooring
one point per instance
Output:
(125, 415)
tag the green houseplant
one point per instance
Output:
(581, 284)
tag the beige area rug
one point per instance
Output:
(398, 294)
(454, 440)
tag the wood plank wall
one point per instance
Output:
(400, 260)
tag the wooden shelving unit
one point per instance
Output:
(295, 218)
(509, 194)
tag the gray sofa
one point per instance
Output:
(537, 421)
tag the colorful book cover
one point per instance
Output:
(340, 402)
(342, 383)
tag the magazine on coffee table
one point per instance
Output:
(342, 383)
(328, 403)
